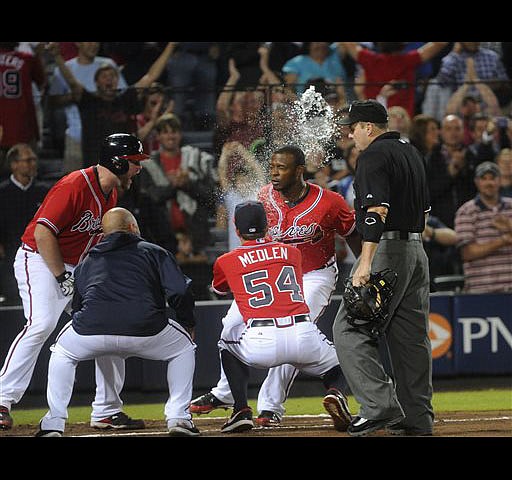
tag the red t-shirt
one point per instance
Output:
(17, 109)
(72, 210)
(172, 165)
(265, 278)
(311, 225)
(384, 67)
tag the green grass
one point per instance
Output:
(479, 400)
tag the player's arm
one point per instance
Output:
(48, 248)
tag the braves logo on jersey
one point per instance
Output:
(88, 223)
(297, 234)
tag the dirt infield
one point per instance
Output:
(453, 424)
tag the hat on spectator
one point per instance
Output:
(487, 167)
(365, 111)
(250, 218)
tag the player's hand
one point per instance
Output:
(66, 283)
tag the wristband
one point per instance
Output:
(372, 227)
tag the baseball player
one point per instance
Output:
(265, 277)
(62, 231)
(119, 308)
(307, 216)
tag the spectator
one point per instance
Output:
(466, 104)
(400, 121)
(247, 59)
(281, 52)
(192, 76)
(483, 144)
(18, 70)
(195, 265)
(390, 64)
(83, 67)
(439, 242)
(155, 103)
(20, 197)
(450, 171)
(452, 74)
(239, 114)
(107, 110)
(484, 233)
(135, 58)
(185, 176)
(424, 134)
(322, 60)
(240, 178)
(504, 162)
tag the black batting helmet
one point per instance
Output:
(120, 148)
(367, 306)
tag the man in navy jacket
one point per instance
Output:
(122, 290)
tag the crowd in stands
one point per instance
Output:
(209, 114)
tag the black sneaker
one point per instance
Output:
(239, 422)
(268, 419)
(48, 433)
(206, 403)
(363, 426)
(336, 406)
(6, 421)
(400, 429)
(119, 421)
(183, 428)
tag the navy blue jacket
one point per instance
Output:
(123, 285)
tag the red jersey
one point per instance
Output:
(383, 67)
(265, 278)
(310, 225)
(72, 210)
(17, 109)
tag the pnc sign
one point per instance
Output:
(440, 333)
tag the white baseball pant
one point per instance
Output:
(43, 304)
(173, 345)
(319, 286)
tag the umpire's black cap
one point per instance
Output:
(365, 111)
(250, 218)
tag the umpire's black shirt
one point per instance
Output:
(390, 172)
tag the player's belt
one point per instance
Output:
(278, 322)
(328, 264)
(399, 235)
(27, 248)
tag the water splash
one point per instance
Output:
(309, 124)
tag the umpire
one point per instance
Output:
(391, 203)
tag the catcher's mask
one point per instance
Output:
(367, 306)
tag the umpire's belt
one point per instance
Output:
(400, 235)
(280, 322)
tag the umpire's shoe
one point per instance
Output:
(119, 421)
(6, 420)
(206, 403)
(239, 422)
(363, 426)
(336, 405)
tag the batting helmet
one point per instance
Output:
(120, 148)
(367, 306)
